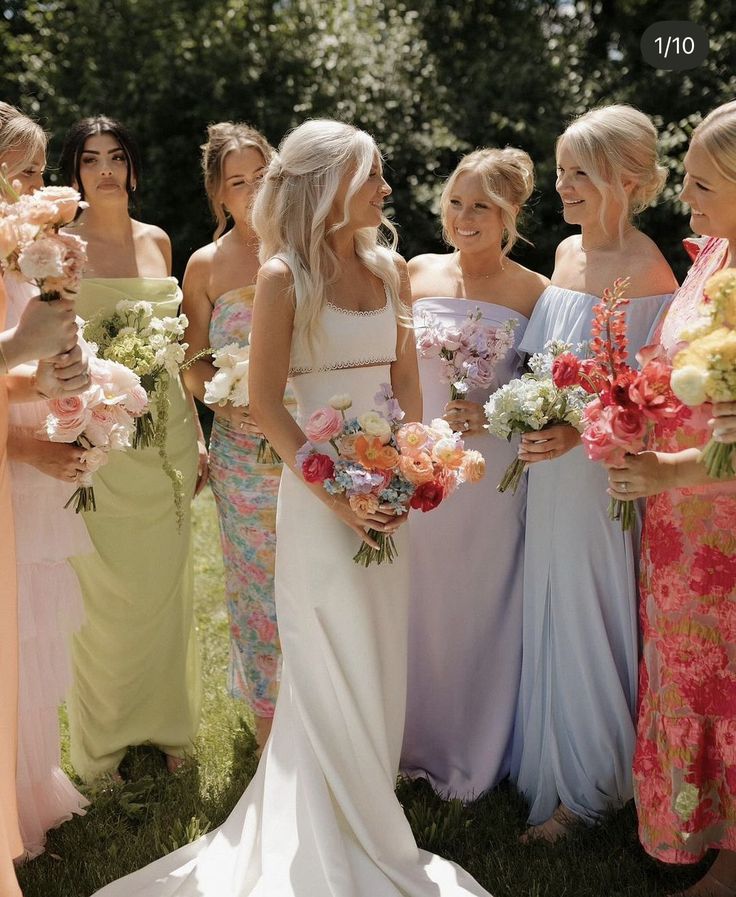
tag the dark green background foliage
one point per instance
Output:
(431, 79)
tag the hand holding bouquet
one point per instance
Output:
(230, 385)
(30, 242)
(705, 369)
(99, 420)
(531, 403)
(382, 466)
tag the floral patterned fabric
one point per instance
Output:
(245, 492)
(685, 760)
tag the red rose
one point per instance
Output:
(427, 496)
(565, 370)
(317, 468)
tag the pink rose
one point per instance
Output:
(417, 468)
(68, 418)
(66, 200)
(598, 439)
(317, 468)
(324, 424)
(628, 427)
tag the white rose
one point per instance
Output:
(217, 390)
(688, 384)
(375, 424)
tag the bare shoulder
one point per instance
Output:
(648, 270)
(401, 265)
(568, 247)
(198, 270)
(529, 283)
(428, 261)
(153, 232)
(275, 281)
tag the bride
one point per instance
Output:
(320, 818)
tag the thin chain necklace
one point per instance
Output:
(464, 273)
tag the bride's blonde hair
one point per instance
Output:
(716, 134)
(292, 206)
(19, 132)
(614, 142)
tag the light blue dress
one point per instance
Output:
(574, 736)
(465, 610)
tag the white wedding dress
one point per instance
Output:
(320, 817)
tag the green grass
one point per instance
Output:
(129, 825)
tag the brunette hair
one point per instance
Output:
(73, 147)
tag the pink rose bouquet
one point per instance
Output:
(469, 353)
(378, 463)
(99, 420)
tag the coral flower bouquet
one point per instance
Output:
(152, 348)
(30, 242)
(230, 384)
(625, 404)
(532, 402)
(704, 370)
(378, 463)
(99, 420)
(468, 354)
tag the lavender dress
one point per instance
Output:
(465, 611)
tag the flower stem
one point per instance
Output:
(386, 551)
(512, 476)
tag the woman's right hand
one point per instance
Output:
(382, 520)
(239, 418)
(55, 459)
(46, 329)
(723, 422)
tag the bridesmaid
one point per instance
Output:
(49, 599)
(136, 671)
(685, 764)
(464, 679)
(219, 285)
(575, 728)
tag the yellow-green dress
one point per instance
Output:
(136, 669)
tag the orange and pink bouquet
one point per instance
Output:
(378, 463)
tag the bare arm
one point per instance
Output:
(650, 473)
(405, 370)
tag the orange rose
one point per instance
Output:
(364, 505)
(418, 468)
(474, 466)
(374, 455)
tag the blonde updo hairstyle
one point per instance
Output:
(507, 177)
(291, 209)
(716, 134)
(19, 132)
(222, 139)
(616, 142)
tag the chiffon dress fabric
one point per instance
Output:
(685, 760)
(50, 610)
(465, 611)
(245, 493)
(320, 817)
(574, 737)
(136, 667)
(11, 843)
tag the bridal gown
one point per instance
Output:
(320, 817)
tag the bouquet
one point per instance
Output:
(150, 347)
(230, 384)
(533, 402)
(382, 464)
(705, 369)
(627, 403)
(30, 242)
(469, 353)
(99, 420)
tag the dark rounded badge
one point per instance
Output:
(675, 46)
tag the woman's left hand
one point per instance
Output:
(723, 422)
(465, 417)
(203, 467)
(639, 476)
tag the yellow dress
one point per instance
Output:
(136, 669)
(10, 840)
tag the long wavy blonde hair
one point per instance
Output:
(717, 136)
(291, 209)
(19, 132)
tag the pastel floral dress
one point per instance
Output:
(245, 492)
(685, 760)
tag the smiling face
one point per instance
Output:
(472, 222)
(366, 205)
(242, 172)
(581, 199)
(103, 170)
(28, 171)
(710, 195)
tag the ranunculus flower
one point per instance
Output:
(473, 466)
(417, 468)
(412, 438)
(317, 468)
(375, 424)
(364, 505)
(427, 496)
(323, 424)
(565, 370)
(341, 401)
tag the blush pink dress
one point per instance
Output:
(10, 841)
(685, 760)
(50, 610)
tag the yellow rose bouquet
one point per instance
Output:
(705, 370)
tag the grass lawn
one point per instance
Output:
(129, 825)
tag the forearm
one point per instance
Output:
(408, 394)
(21, 445)
(685, 470)
(13, 349)
(21, 383)
(196, 375)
